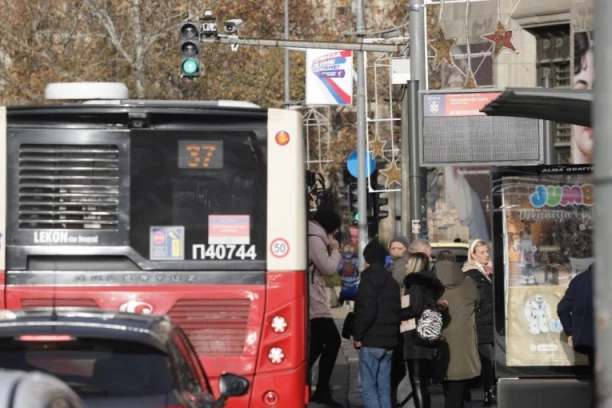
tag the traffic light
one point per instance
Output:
(380, 202)
(190, 49)
(348, 199)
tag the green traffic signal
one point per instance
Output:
(190, 66)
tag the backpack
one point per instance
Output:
(349, 268)
(428, 328)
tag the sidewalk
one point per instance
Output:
(352, 357)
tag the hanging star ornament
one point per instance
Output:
(393, 174)
(376, 147)
(442, 47)
(470, 81)
(502, 39)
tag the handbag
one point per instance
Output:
(428, 331)
(348, 326)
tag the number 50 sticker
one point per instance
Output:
(279, 248)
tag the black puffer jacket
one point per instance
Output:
(377, 309)
(485, 315)
(425, 291)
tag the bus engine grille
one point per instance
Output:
(68, 186)
(215, 327)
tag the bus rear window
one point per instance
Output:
(94, 367)
(198, 195)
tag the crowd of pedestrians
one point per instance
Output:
(431, 321)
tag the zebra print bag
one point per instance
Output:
(428, 328)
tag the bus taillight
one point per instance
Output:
(270, 398)
(276, 355)
(279, 324)
(282, 138)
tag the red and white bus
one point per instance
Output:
(196, 210)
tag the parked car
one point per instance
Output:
(20, 389)
(112, 359)
(460, 249)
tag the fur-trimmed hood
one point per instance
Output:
(426, 279)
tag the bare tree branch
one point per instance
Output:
(109, 26)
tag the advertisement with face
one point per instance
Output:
(584, 76)
(544, 220)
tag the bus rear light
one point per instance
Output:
(276, 355)
(45, 337)
(270, 398)
(279, 324)
(282, 138)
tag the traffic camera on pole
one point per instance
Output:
(209, 24)
(190, 49)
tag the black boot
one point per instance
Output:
(490, 399)
(323, 396)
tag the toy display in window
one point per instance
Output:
(527, 260)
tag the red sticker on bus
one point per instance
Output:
(279, 248)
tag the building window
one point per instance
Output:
(553, 60)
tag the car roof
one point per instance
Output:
(450, 244)
(153, 330)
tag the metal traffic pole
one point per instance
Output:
(603, 194)
(287, 67)
(411, 166)
(548, 132)
(362, 141)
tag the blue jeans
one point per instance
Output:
(375, 377)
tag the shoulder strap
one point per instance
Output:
(310, 262)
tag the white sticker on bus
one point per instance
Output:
(222, 252)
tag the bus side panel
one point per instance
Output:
(3, 173)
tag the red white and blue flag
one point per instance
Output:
(329, 77)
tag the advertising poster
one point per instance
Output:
(329, 77)
(584, 75)
(546, 227)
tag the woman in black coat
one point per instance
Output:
(424, 290)
(479, 268)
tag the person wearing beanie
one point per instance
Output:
(376, 330)
(398, 248)
(323, 259)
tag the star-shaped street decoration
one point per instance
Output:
(470, 81)
(393, 174)
(502, 39)
(443, 47)
(376, 147)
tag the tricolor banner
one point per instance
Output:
(329, 77)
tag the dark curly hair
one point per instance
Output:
(582, 43)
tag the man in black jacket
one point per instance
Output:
(377, 319)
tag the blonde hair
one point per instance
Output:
(475, 244)
(417, 262)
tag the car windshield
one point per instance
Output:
(460, 254)
(99, 367)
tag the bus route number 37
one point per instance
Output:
(224, 252)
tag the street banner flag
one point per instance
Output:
(329, 77)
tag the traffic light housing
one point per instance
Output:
(348, 199)
(379, 202)
(190, 49)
